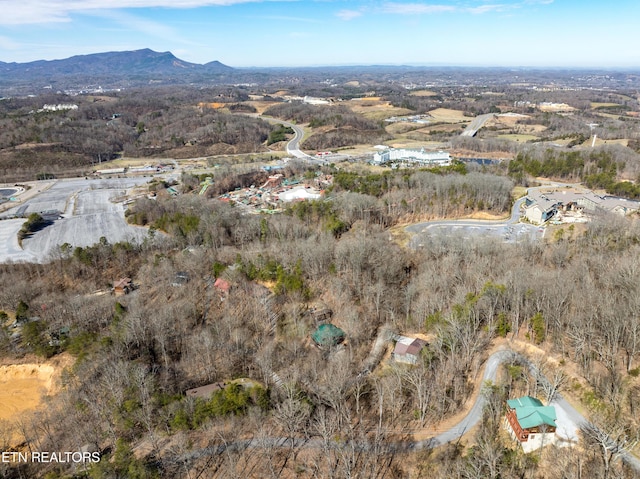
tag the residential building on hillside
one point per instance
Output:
(407, 350)
(541, 207)
(122, 286)
(530, 423)
(328, 335)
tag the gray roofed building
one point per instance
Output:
(540, 207)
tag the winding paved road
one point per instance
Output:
(566, 413)
(477, 123)
(293, 146)
(509, 230)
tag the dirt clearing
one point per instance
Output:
(22, 386)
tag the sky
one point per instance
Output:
(254, 33)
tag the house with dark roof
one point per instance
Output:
(407, 350)
(205, 392)
(531, 423)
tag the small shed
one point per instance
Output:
(321, 315)
(327, 335)
(122, 286)
(407, 350)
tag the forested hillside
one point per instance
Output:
(337, 411)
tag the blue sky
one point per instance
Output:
(244, 33)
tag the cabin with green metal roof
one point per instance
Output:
(328, 335)
(531, 423)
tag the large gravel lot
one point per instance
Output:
(88, 213)
(426, 233)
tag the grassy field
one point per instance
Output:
(374, 109)
(423, 93)
(520, 138)
(449, 116)
(596, 105)
(378, 114)
(600, 142)
(518, 192)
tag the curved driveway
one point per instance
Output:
(569, 420)
(509, 230)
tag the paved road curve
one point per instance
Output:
(477, 123)
(509, 230)
(472, 418)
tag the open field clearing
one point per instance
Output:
(22, 386)
(600, 142)
(449, 116)
(446, 127)
(374, 109)
(261, 106)
(423, 93)
(401, 127)
(417, 135)
(531, 129)
(520, 138)
(596, 105)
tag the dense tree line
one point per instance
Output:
(137, 354)
(599, 169)
(574, 298)
(167, 123)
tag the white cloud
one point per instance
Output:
(488, 8)
(141, 25)
(416, 8)
(53, 11)
(458, 7)
(348, 14)
(291, 19)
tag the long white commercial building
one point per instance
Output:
(429, 158)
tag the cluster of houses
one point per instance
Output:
(541, 207)
(529, 422)
(277, 191)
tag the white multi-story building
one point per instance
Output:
(60, 107)
(421, 157)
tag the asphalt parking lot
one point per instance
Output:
(88, 213)
(502, 232)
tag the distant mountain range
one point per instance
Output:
(111, 69)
